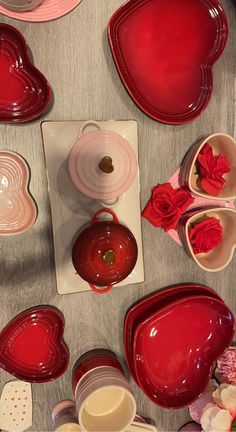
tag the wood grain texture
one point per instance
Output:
(74, 55)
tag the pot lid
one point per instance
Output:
(105, 252)
(102, 164)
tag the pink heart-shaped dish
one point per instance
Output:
(18, 211)
(222, 144)
(221, 256)
(164, 52)
(32, 347)
(24, 92)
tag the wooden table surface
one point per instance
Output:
(74, 55)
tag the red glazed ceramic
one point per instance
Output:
(24, 92)
(92, 360)
(32, 347)
(48, 10)
(223, 144)
(102, 164)
(140, 311)
(176, 347)
(164, 52)
(18, 211)
(104, 253)
(221, 256)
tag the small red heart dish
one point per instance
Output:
(18, 210)
(24, 92)
(221, 256)
(221, 144)
(32, 347)
(164, 52)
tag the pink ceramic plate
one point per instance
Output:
(149, 305)
(47, 11)
(18, 211)
(176, 347)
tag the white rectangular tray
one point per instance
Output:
(71, 209)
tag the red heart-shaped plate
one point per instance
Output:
(32, 347)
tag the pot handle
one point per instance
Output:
(91, 125)
(105, 210)
(100, 290)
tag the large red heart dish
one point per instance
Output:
(32, 347)
(24, 92)
(176, 347)
(164, 52)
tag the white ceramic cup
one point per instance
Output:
(20, 5)
(104, 401)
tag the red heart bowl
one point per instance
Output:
(176, 347)
(32, 347)
(164, 52)
(24, 92)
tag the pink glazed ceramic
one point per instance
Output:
(102, 164)
(20, 5)
(221, 256)
(223, 144)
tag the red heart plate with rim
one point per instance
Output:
(18, 210)
(164, 52)
(144, 308)
(176, 347)
(24, 92)
(32, 347)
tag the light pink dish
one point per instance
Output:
(47, 11)
(18, 211)
(84, 169)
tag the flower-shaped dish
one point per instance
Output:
(24, 92)
(18, 211)
(32, 347)
(164, 52)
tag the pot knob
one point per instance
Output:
(105, 165)
(109, 257)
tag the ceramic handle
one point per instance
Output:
(100, 290)
(105, 210)
(89, 125)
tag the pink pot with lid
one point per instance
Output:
(102, 164)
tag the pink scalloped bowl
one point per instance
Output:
(25, 93)
(164, 52)
(18, 211)
(47, 11)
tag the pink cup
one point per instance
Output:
(103, 396)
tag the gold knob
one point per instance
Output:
(109, 257)
(105, 165)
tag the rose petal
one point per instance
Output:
(150, 214)
(225, 397)
(215, 419)
(197, 407)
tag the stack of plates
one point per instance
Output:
(172, 340)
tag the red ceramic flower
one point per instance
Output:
(205, 235)
(166, 206)
(211, 170)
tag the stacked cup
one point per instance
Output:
(20, 5)
(103, 396)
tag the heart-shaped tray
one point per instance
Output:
(176, 347)
(18, 211)
(24, 92)
(32, 347)
(164, 52)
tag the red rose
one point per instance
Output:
(166, 206)
(211, 170)
(206, 235)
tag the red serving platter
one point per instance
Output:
(140, 311)
(32, 347)
(164, 52)
(24, 92)
(175, 349)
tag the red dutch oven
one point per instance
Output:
(104, 253)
